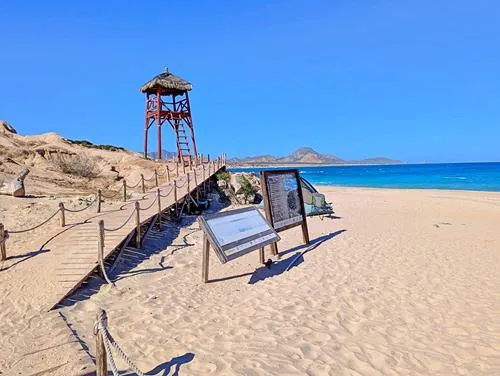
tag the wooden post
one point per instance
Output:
(142, 183)
(204, 179)
(206, 259)
(100, 246)
(188, 183)
(156, 178)
(137, 225)
(99, 200)
(183, 167)
(124, 190)
(262, 256)
(190, 164)
(62, 217)
(175, 195)
(196, 186)
(177, 168)
(3, 239)
(101, 360)
(159, 206)
(208, 158)
(168, 174)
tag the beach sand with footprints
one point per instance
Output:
(405, 282)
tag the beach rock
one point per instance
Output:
(257, 198)
(15, 187)
(6, 127)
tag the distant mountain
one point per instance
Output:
(306, 155)
(164, 154)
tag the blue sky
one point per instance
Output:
(413, 80)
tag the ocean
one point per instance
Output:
(457, 176)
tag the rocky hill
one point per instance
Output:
(306, 155)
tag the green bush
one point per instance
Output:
(246, 187)
(89, 144)
(226, 176)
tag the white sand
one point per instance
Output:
(407, 283)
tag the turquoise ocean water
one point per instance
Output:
(464, 176)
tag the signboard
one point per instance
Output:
(283, 200)
(235, 233)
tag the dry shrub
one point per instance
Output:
(77, 165)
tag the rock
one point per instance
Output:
(222, 183)
(15, 187)
(257, 198)
(6, 127)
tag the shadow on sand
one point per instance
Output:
(281, 265)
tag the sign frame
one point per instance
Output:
(267, 204)
(210, 239)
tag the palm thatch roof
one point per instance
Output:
(167, 83)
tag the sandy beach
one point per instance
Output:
(406, 283)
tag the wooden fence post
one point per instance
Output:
(156, 177)
(101, 361)
(208, 158)
(190, 164)
(62, 217)
(175, 195)
(100, 246)
(142, 183)
(204, 180)
(137, 224)
(3, 239)
(177, 168)
(183, 167)
(124, 190)
(99, 200)
(159, 206)
(168, 174)
(188, 183)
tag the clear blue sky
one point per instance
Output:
(413, 80)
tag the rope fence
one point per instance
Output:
(105, 343)
(4, 233)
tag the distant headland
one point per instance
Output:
(306, 156)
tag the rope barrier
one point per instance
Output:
(136, 184)
(110, 343)
(180, 186)
(34, 227)
(150, 206)
(121, 226)
(168, 194)
(150, 179)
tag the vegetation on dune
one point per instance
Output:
(78, 165)
(89, 144)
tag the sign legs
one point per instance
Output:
(206, 258)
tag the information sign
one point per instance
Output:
(283, 200)
(235, 233)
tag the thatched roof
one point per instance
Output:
(168, 84)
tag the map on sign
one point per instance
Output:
(237, 232)
(284, 200)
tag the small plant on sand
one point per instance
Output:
(246, 188)
(77, 165)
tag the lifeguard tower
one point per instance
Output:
(167, 100)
